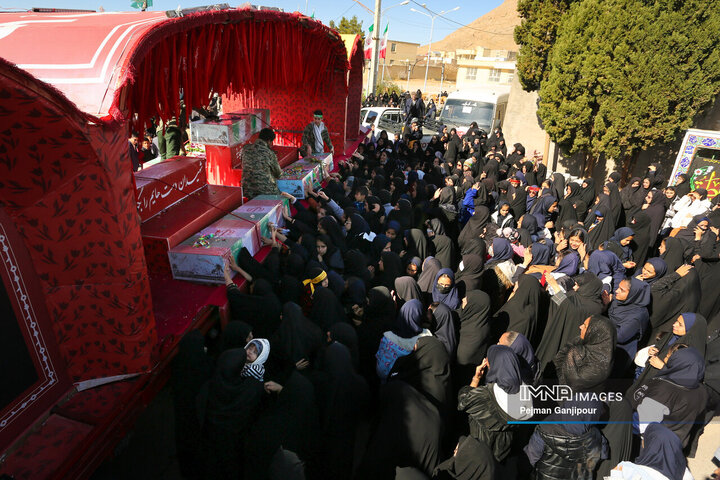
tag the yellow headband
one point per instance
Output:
(316, 280)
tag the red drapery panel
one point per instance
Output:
(237, 50)
(66, 185)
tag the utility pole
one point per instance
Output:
(376, 46)
(432, 26)
(442, 74)
(407, 87)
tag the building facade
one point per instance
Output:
(482, 67)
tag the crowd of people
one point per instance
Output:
(412, 104)
(408, 310)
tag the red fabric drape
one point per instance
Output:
(243, 50)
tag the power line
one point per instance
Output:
(343, 14)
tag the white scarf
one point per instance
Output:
(318, 137)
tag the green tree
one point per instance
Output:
(624, 75)
(536, 36)
(352, 26)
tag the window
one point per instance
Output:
(494, 75)
(14, 352)
(471, 74)
(371, 118)
(510, 77)
(393, 47)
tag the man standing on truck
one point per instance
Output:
(316, 135)
(415, 108)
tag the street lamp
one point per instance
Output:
(432, 25)
(376, 40)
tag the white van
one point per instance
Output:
(486, 107)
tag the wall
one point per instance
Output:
(521, 122)
(403, 51)
(522, 125)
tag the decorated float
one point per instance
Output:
(92, 313)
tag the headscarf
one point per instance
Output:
(541, 208)
(587, 194)
(430, 267)
(471, 273)
(642, 241)
(571, 206)
(663, 452)
(695, 332)
(526, 355)
(621, 234)
(521, 312)
(504, 369)
(474, 329)
(380, 306)
(674, 255)
(660, 267)
(656, 212)
(407, 289)
(451, 298)
(605, 263)
(392, 269)
(685, 367)
(256, 369)
(541, 254)
(358, 225)
(569, 264)
(682, 188)
(587, 362)
(343, 333)
(334, 231)
(502, 250)
(230, 398)
(475, 226)
(316, 278)
(326, 309)
(444, 328)
(602, 228)
(616, 208)
(632, 197)
(379, 243)
(416, 243)
(234, 335)
(473, 461)
(558, 185)
(297, 337)
(409, 318)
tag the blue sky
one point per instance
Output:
(405, 25)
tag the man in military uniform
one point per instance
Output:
(315, 134)
(260, 168)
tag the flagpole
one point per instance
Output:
(385, 37)
(376, 46)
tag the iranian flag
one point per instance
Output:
(383, 42)
(368, 44)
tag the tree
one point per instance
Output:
(536, 35)
(352, 26)
(624, 75)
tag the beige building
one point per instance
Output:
(399, 52)
(482, 67)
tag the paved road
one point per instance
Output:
(701, 466)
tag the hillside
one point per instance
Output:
(493, 30)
